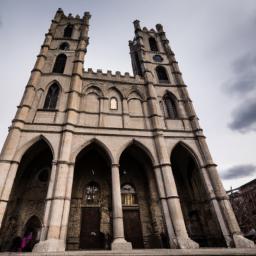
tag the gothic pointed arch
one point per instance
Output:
(118, 92)
(91, 99)
(52, 96)
(170, 106)
(91, 198)
(189, 149)
(26, 146)
(153, 44)
(141, 146)
(32, 230)
(135, 94)
(162, 74)
(28, 194)
(64, 46)
(115, 99)
(202, 226)
(60, 63)
(139, 198)
(135, 103)
(97, 143)
(94, 89)
(68, 31)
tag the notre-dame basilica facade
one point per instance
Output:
(104, 161)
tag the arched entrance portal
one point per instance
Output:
(32, 233)
(27, 198)
(200, 221)
(90, 214)
(143, 222)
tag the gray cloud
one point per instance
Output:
(242, 82)
(239, 171)
(243, 79)
(244, 117)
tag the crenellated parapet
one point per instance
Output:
(113, 77)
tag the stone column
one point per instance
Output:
(163, 200)
(223, 200)
(48, 201)
(101, 111)
(125, 113)
(67, 203)
(215, 206)
(7, 188)
(119, 242)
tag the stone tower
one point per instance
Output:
(98, 160)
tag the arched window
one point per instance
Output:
(162, 75)
(153, 44)
(129, 197)
(137, 64)
(52, 97)
(170, 107)
(68, 31)
(32, 230)
(92, 193)
(64, 46)
(113, 103)
(60, 63)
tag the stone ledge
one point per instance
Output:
(149, 252)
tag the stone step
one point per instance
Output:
(152, 252)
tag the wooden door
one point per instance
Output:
(90, 235)
(132, 228)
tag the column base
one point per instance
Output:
(121, 244)
(242, 242)
(187, 243)
(51, 245)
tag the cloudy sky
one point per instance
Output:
(214, 42)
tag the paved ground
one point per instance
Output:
(156, 252)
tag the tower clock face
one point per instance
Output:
(157, 58)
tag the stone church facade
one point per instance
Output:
(99, 160)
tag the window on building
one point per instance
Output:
(113, 103)
(129, 197)
(59, 64)
(64, 46)
(162, 75)
(52, 97)
(153, 44)
(137, 64)
(170, 106)
(92, 193)
(68, 31)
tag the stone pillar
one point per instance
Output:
(48, 201)
(9, 174)
(175, 210)
(67, 203)
(125, 113)
(101, 111)
(215, 206)
(119, 242)
(163, 200)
